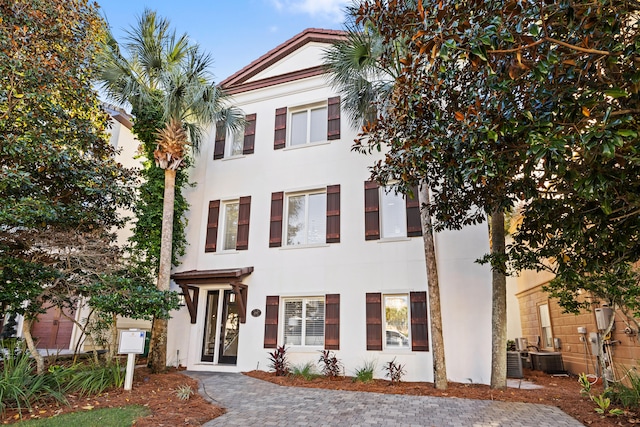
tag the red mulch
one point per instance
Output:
(156, 391)
(562, 392)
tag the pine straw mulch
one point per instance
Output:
(155, 391)
(562, 392)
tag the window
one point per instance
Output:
(306, 219)
(545, 325)
(234, 217)
(308, 126)
(396, 321)
(393, 220)
(229, 143)
(303, 323)
(390, 215)
(230, 234)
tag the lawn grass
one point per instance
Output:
(103, 417)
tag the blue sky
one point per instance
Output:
(234, 32)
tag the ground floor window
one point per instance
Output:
(396, 321)
(303, 323)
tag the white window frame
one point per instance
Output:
(308, 109)
(285, 322)
(387, 192)
(285, 228)
(229, 142)
(406, 340)
(223, 220)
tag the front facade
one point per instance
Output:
(290, 244)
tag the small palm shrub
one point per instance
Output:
(94, 378)
(329, 364)
(365, 373)
(278, 361)
(20, 386)
(395, 371)
(306, 371)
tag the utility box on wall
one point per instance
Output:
(603, 317)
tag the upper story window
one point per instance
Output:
(307, 218)
(234, 220)
(230, 143)
(308, 124)
(389, 215)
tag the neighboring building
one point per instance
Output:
(290, 244)
(576, 337)
(55, 331)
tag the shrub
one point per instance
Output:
(20, 386)
(627, 396)
(306, 371)
(184, 392)
(278, 361)
(330, 365)
(365, 373)
(395, 371)
(94, 378)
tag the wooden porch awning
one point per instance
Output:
(189, 282)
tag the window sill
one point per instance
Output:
(239, 156)
(292, 247)
(227, 252)
(301, 349)
(393, 239)
(312, 144)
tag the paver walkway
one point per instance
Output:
(252, 402)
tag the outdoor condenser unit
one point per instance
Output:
(547, 362)
(514, 364)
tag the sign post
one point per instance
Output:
(131, 343)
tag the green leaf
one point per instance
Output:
(616, 93)
(627, 133)
(534, 30)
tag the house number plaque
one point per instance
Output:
(256, 312)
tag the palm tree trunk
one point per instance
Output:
(499, 298)
(26, 334)
(158, 345)
(433, 285)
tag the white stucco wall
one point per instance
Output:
(351, 268)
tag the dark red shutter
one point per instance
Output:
(419, 332)
(333, 118)
(218, 148)
(275, 232)
(244, 211)
(414, 223)
(371, 211)
(212, 226)
(374, 321)
(332, 322)
(333, 214)
(249, 134)
(271, 322)
(280, 134)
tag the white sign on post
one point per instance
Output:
(131, 343)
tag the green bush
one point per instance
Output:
(94, 378)
(365, 373)
(627, 396)
(20, 386)
(306, 371)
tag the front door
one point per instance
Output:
(221, 329)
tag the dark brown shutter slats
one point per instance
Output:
(419, 332)
(414, 224)
(332, 322)
(244, 212)
(371, 211)
(218, 148)
(275, 231)
(249, 134)
(374, 321)
(333, 214)
(212, 226)
(333, 118)
(271, 322)
(280, 134)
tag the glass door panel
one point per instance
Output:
(229, 330)
(210, 327)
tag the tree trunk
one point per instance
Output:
(158, 345)
(433, 284)
(499, 305)
(26, 333)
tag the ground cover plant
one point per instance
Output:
(105, 417)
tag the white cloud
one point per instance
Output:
(327, 9)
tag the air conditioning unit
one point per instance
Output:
(521, 344)
(547, 362)
(514, 364)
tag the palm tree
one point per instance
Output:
(364, 83)
(166, 72)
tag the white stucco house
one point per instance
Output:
(290, 244)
